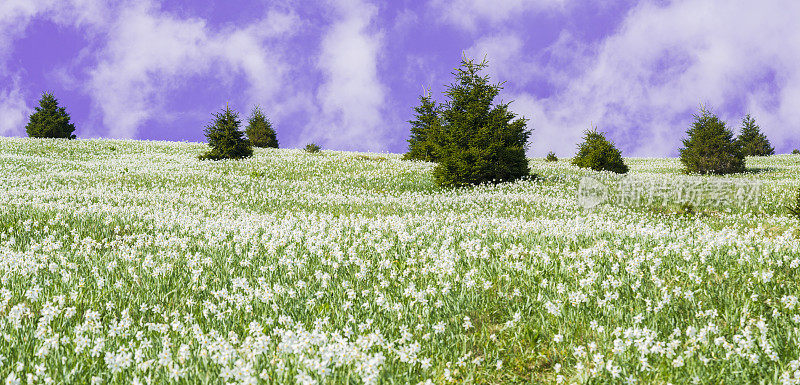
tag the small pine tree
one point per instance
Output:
(551, 157)
(421, 144)
(50, 120)
(752, 141)
(796, 152)
(599, 154)
(710, 147)
(478, 142)
(259, 130)
(225, 138)
(312, 148)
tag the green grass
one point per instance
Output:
(129, 260)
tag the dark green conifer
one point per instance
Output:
(421, 144)
(478, 142)
(312, 148)
(752, 141)
(599, 154)
(50, 120)
(259, 130)
(710, 147)
(225, 138)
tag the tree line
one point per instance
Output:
(472, 139)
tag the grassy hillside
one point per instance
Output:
(127, 261)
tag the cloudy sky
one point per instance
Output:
(346, 73)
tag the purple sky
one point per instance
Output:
(346, 73)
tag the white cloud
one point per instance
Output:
(643, 82)
(150, 53)
(468, 13)
(505, 55)
(15, 15)
(522, 69)
(510, 60)
(147, 53)
(352, 97)
(13, 111)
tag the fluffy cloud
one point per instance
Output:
(13, 111)
(15, 15)
(643, 82)
(352, 97)
(145, 53)
(468, 13)
(149, 53)
(506, 56)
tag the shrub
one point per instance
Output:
(421, 144)
(599, 154)
(710, 148)
(312, 148)
(796, 151)
(686, 209)
(752, 141)
(478, 142)
(794, 208)
(259, 130)
(225, 138)
(50, 120)
(551, 157)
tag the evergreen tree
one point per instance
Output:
(752, 141)
(710, 147)
(478, 142)
(599, 154)
(259, 130)
(225, 138)
(50, 120)
(421, 144)
(312, 148)
(551, 157)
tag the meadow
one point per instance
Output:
(133, 262)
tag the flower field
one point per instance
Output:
(133, 262)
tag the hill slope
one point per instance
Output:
(133, 260)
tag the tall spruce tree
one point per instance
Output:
(225, 138)
(478, 142)
(259, 130)
(710, 147)
(421, 144)
(752, 141)
(599, 154)
(50, 120)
